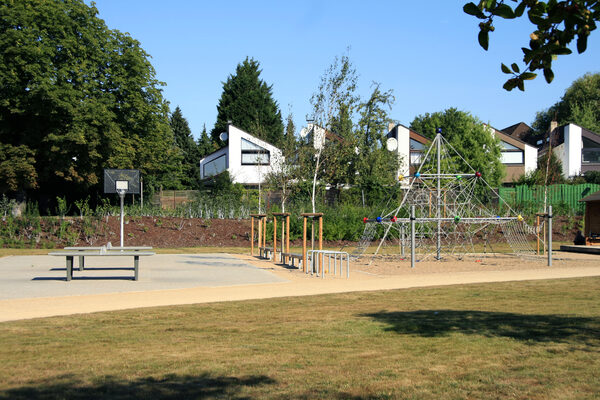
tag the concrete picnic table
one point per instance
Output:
(132, 251)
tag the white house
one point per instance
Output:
(517, 156)
(247, 158)
(577, 148)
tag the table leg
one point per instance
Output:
(69, 267)
(81, 263)
(136, 264)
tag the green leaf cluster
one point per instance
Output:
(579, 105)
(557, 24)
(76, 98)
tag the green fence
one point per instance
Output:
(561, 197)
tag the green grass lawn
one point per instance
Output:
(522, 340)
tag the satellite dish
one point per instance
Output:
(303, 132)
(391, 144)
(223, 136)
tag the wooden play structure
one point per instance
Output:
(261, 220)
(312, 253)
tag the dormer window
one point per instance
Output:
(253, 154)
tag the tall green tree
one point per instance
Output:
(557, 24)
(469, 137)
(79, 97)
(188, 149)
(579, 105)
(247, 101)
(205, 144)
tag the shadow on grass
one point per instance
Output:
(170, 387)
(536, 328)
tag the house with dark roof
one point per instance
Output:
(518, 157)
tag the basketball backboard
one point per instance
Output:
(122, 180)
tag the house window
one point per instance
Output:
(414, 145)
(216, 166)
(253, 154)
(510, 154)
(590, 152)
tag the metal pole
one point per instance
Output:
(412, 236)
(142, 192)
(122, 196)
(549, 236)
(439, 197)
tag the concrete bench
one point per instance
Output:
(101, 252)
(292, 257)
(265, 252)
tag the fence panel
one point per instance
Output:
(558, 196)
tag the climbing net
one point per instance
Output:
(451, 210)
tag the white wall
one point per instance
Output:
(403, 152)
(211, 157)
(531, 155)
(573, 146)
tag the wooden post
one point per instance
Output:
(265, 232)
(321, 266)
(287, 238)
(260, 235)
(252, 237)
(274, 239)
(304, 247)
(537, 231)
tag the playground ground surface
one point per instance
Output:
(34, 286)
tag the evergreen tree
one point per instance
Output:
(289, 143)
(205, 144)
(188, 149)
(247, 101)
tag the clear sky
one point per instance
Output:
(425, 51)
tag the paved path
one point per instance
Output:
(34, 286)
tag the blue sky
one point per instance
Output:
(425, 51)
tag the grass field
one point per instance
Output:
(525, 340)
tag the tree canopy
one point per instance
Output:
(579, 105)
(76, 98)
(557, 24)
(247, 101)
(188, 148)
(469, 137)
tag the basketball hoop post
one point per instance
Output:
(122, 187)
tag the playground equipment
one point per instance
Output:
(443, 211)
(285, 237)
(317, 263)
(261, 220)
(319, 218)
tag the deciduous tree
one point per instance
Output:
(557, 24)
(471, 139)
(579, 105)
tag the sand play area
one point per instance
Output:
(35, 286)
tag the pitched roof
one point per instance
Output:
(592, 197)
(518, 130)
